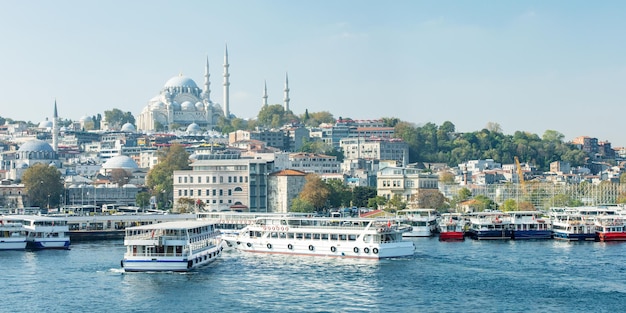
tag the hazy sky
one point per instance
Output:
(527, 65)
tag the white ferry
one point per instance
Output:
(12, 235)
(171, 246)
(43, 232)
(423, 222)
(333, 237)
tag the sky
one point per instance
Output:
(526, 65)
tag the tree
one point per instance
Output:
(362, 195)
(482, 203)
(494, 127)
(301, 206)
(339, 194)
(43, 185)
(446, 178)
(435, 199)
(116, 118)
(272, 116)
(315, 191)
(396, 204)
(120, 176)
(159, 180)
(185, 205)
(509, 205)
(142, 199)
(376, 202)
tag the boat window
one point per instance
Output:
(352, 237)
(290, 235)
(316, 236)
(333, 237)
(307, 236)
(324, 236)
(274, 234)
(342, 237)
(299, 236)
(282, 235)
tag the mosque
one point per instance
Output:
(182, 103)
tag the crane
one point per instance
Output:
(520, 175)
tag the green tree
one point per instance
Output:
(396, 204)
(273, 116)
(301, 206)
(120, 176)
(160, 178)
(361, 195)
(376, 202)
(142, 199)
(435, 200)
(340, 195)
(43, 185)
(315, 191)
(509, 205)
(482, 203)
(116, 118)
(446, 178)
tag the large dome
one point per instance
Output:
(180, 81)
(46, 124)
(35, 145)
(129, 128)
(120, 161)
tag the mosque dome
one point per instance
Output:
(35, 145)
(158, 105)
(176, 106)
(199, 106)
(120, 161)
(193, 128)
(180, 81)
(187, 106)
(45, 124)
(128, 128)
(85, 119)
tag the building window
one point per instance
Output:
(207, 192)
(214, 179)
(180, 192)
(221, 192)
(191, 193)
(185, 179)
(185, 193)
(230, 179)
(230, 192)
(191, 179)
(179, 179)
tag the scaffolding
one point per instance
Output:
(543, 195)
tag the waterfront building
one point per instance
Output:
(376, 148)
(284, 186)
(408, 183)
(314, 163)
(218, 182)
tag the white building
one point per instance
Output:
(409, 183)
(376, 149)
(314, 163)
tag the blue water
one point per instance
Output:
(470, 276)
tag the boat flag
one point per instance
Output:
(388, 223)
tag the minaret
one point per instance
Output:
(265, 96)
(207, 83)
(55, 128)
(286, 99)
(226, 84)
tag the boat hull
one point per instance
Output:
(418, 232)
(574, 236)
(615, 236)
(490, 234)
(451, 236)
(56, 243)
(329, 249)
(532, 234)
(170, 263)
(13, 244)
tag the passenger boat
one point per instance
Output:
(176, 246)
(610, 228)
(529, 225)
(12, 235)
(422, 221)
(451, 227)
(43, 232)
(490, 225)
(569, 225)
(332, 237)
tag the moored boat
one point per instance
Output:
(570, 226)
(529, 225)
(12, 235)
(331, 237)
(423, 222)
(490, 226)
(43, 232)
(610, 228)
(451, 227)
(171, 246)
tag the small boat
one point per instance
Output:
(451, 227)
(610, 228)
(43, 232)
(423, 222)
(571, 226)
(529, 225)
(177, 246)
(492, 225)
(331, 237)
(12, 235)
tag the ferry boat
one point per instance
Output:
(422, 221)
(332, 237)
(490, 225)
(569, 225)
(12, 235)
(451, 227)
(176, 246)
(43, 232)
(610, 228)
(529, 225)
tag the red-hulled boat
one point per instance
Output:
(610, 228)
(451, 227)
